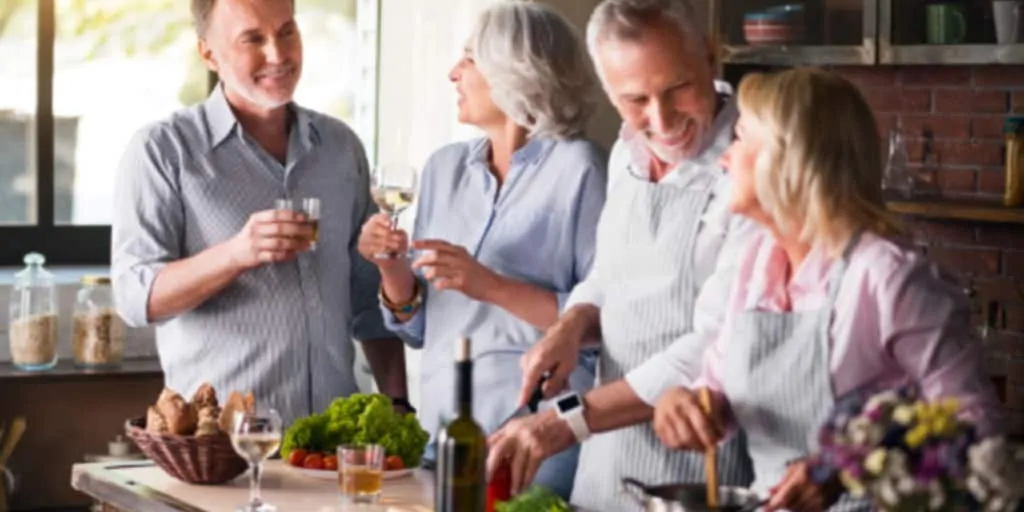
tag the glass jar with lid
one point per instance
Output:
(33, 328)
(98, 336)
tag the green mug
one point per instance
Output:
(947, 23)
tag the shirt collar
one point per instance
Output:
(529, 154)
(221, 121)
(769, 285)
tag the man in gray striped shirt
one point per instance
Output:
(239, 298)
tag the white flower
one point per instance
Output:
(998, 504)
(995, 475)
(896, 464)
(880, 400)
(857, 429)
(906, 485)
(936, 496)
(875, 462)
(886, 492)
(977, 488)
(903, 414)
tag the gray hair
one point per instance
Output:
(201, 10)
(536, 66)
(626, 20)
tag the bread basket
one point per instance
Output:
(205, 460)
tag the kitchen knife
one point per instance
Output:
(531, 405)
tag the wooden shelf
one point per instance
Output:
(981, 211)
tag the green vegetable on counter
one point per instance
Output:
(534, 499)
(359, 418)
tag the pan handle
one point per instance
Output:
(636, 488)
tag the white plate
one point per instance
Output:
(327, 474)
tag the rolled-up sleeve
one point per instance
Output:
(148, 222)
(413, 330)
(683, 362)
(926, 327)
(367, 322)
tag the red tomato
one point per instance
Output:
(393, 463)
(313, 461)
(331, 462)
(297, 457)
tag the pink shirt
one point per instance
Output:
(896, 320)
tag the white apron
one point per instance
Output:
(646, 245)
(778, 381)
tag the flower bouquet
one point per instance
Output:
(908, 454)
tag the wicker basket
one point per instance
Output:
(207, 460)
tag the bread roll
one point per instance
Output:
(155, 422)
(208, 425)
(235, 402)
(177, 412)
(204, 397)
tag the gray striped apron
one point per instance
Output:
(645, 246)
(778, 381)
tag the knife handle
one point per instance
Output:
(538, 394)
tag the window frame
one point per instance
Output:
(85, 245)
(89, 245)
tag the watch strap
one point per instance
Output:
(403, 402)
(578, 424)
(406, 307)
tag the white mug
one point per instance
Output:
(1009, 20)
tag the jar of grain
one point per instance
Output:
(99, 333)
(33, 316)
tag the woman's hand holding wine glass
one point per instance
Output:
(393, 187)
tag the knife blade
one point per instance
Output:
(530, 407)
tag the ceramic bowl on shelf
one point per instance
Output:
(777, 25)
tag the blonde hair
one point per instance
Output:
(820, 168)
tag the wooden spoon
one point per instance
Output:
(711, 454)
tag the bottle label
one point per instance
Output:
(461, 474)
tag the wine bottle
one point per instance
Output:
(461, 447)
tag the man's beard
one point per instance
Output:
(676, 155)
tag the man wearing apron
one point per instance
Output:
(665, 229)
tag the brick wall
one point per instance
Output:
(963, 108)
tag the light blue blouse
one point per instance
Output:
(538, 227)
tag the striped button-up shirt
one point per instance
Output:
(283, 331)
(537, 227)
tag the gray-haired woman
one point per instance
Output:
(505, 224)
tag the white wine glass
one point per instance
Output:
(393, 187)
(256, 435)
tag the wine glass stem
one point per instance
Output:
(254, 484)
(394, 223)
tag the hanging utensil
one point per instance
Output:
(14, 433)
(13, 436)
(711, 454)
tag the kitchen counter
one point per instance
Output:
(66, 369)
(144, 486)
(131, 487)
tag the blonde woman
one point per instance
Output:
(827, 300)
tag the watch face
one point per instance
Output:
(569, 403)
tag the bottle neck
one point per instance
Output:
(464, 388)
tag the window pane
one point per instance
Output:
(18, 35)
(119, 65)
(339, 61)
